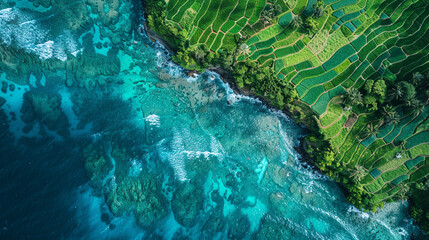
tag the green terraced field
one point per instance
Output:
(224, 19)
(356, 40)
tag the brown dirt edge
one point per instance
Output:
(227, 77)
(153, 36)
(351, 121)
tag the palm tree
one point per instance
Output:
(403, 196)
(418, 108)
(243, 49)
(357, 173)
(369, 130)
(244, 35)
(396, 92)
(266, 17)
(411, 102)
(426, 187)
(200, 55)
(403, 192)
(353, 97)
(417, 78)
(275, 10)
(297, 22)
(319, 9)
(393, 119)
(311, 25)
(390, 114)
(388, 110)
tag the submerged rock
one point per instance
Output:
(187, 203)
(272, 227)
(4, 86)
(279, 202)
(280, 175)
(214, 224)
(239, 226)
(193, 73)
(164, 76)
(44, 3)
(97, 166)
(46, 108)
(75, 17)
(69, 79)
(2, 101)
(138, 195)
(12, 62)
(91, 67)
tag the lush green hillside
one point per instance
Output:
(358, 66)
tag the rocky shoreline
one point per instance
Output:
(226, 77)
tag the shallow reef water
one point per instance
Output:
(103, 137)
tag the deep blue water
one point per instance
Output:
(102, 137)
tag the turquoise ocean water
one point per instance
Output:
(103, 137)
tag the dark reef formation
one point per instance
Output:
(97, 166)
(46, 108)
(187, 203)
(138, 195)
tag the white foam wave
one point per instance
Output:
(6, 14)
(176, 158)
(287, 144)
(153, 120)
(44, 50)
(353, 209)
(344, 225)
(18, 27)
(232, 97)
(217, 148)
(195, 154)
(136, 168)
(65, 43)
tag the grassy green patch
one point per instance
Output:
(334, 42)
(390, 175)
(333, 113)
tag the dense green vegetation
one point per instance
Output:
(420, 204)
(178, 28)
(354, 71)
